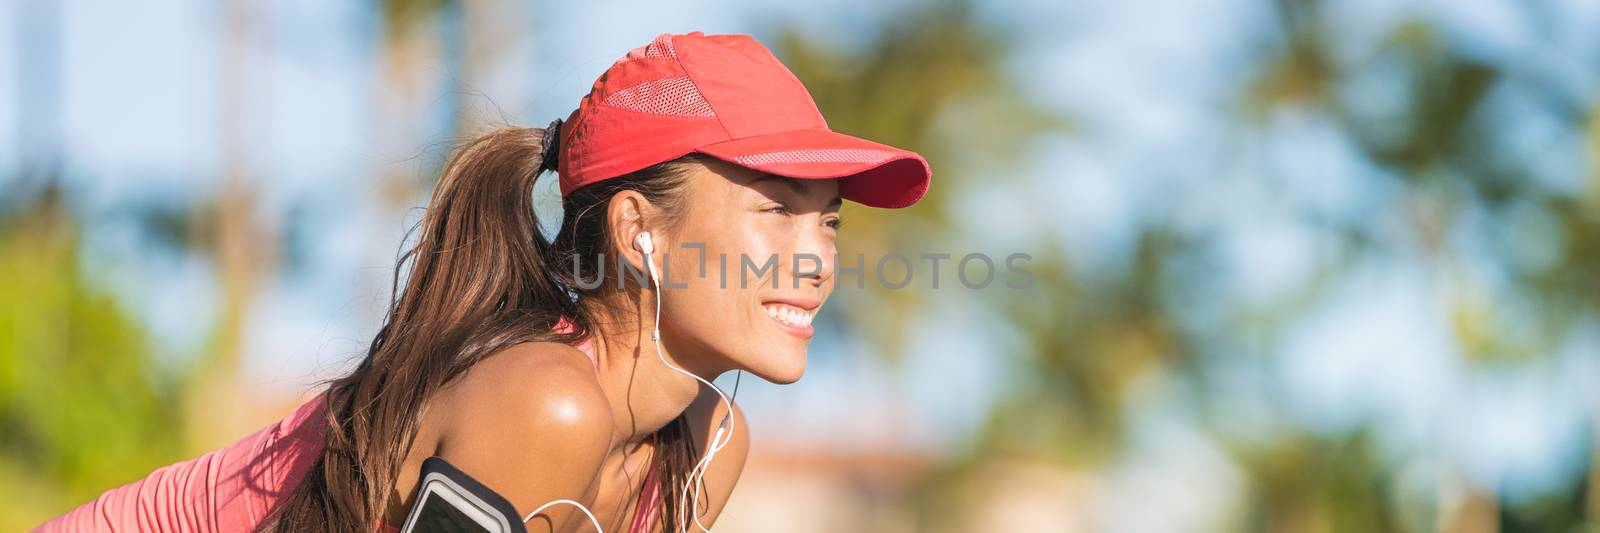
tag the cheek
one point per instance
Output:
(719, 288)
(707, 266)
(749, 245)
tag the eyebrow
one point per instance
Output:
(795, 187)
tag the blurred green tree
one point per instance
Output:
(1465, 185)
(84, 403)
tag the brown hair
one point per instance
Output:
(482, 277)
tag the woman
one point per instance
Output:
(542, 368)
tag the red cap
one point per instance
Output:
(725, 96)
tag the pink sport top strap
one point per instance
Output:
(649, 505)
(586, 346)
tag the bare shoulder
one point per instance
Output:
(705, 415)
(539, 385)
(531, 422)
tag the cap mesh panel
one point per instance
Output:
(817, 155)
(660, 47)
(670, 96)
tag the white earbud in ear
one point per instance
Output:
(647, 246)
(643, 243)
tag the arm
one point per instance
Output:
(532, 424)
(705, 414)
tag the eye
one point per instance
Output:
(777, 208)
(833, 223)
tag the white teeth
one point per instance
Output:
(789, 315)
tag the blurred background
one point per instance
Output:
(1300, 266)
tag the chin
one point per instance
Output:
(781, 370)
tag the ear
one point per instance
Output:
(627, 214)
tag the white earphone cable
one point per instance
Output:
(580, 507)
(723, 436)
(718, 441)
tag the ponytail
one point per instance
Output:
(481, 278)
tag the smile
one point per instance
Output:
(789, 315)
(793, 316)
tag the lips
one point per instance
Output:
(789, 315)
(793, 315)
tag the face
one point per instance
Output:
(768, 268)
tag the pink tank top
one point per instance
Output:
(236, 487)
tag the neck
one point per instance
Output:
(644, 393)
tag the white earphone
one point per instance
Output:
(645, 245)
(724, 434)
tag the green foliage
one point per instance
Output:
(402, 17)
(83, 404)
(1302, 482)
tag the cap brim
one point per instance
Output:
(869, 173)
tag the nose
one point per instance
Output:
(813, 261)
